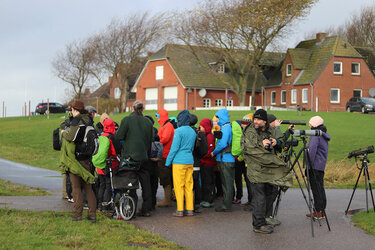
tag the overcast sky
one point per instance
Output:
(33, 31)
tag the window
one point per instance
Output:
(159, 72)
(288, 69)
(230, 103)
(305, 93)
(206, 103)
(335, 95)
(293, 96)
(337, 68)
(221, 69)
(356, 68)
(283, 96)
(357, 92)
(273, 97)
(219, 102)
(117, 93)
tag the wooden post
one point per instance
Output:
(226, 97)
(3, 109)
(48, 108)
(195, 99)
(25, 110)
(29, 108)
(97, 104)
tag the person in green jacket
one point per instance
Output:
(264, 167)
(80, 116)
(136, 132)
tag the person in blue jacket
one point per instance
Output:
(181, 156)
(225, 158)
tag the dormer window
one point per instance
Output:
(337, 68)
(288, 69)
(221, 68)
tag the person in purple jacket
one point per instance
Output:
(318, 152)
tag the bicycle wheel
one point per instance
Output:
(127, 207)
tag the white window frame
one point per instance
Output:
(358, 90)
(219, 101)
(293, 92)
(221, 69)
(273, 102)
(229, 103)
(359, 69)
(116, 93)
(281, 97)
(338, 95)
(287, 71)
(159, 72)
(337, 73)
(305, 95)
(206, 102)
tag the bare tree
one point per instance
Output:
(75, 65)
(122, 45)
(239, 32)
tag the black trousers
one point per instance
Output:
(152, 168)
(218, 186)
(262, 202)
(241, 170)
(197, 188)
(144, 179)
(317, 188)
(208, 183)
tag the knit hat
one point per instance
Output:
(316, 121)
(260, 114)
(271, 118)
(246, 119)
(91, 109)
(103, 117)
(78, 105)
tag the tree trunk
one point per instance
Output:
(253, 89)
(125, 85)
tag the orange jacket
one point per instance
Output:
(166, 132)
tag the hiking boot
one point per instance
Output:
(248, 208)
(189, 213)
(143, 214)
(167, 197)
(272, 221)
(76, 218)
(315, 214)
(265, 229)
(236, 201)
(221, 209)
(206, 204)
(92, 219)
(70, 200)
(178, 214)
(321, 215)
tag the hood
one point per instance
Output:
(163, 116)
(223, 117)
(326, 136)
(193, 119)
(87, 119)
(183, 118)
(109, 126)
(207, 125)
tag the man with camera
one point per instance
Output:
(264, 168)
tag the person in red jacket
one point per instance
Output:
(207, 167)
(165, 133)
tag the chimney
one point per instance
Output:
(320, 37)
(87, 91)
(149, 54)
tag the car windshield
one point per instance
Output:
(368, 100)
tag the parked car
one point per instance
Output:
(361, 104)
(54, 107)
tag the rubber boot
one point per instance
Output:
(167, 197)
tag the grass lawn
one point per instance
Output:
(55, 230)
(8, 188)
(30, 142)
(365, 220)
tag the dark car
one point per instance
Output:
(361, 104)
(54, 107)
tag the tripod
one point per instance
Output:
(306, 164)
(363, 168)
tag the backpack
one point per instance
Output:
(201, 145)
(99, 159)
(56, 139)
(173, 122)
(89, 145)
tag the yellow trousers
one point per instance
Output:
(183, 186)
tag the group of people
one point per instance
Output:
(193, 162)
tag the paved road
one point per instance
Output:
(211, 230)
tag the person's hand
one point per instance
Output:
(212, 154)
(273, 141)
(291, 127)
(266, 142)
(278, 123)
(62, 131)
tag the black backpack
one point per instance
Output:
(174, 123)
(56, 139)
(87, 141)
(201, 145)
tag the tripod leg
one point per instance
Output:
(370, 187)
(355, 187)
(300, 186)
(276, 209)
(365, 174)
(305, 161)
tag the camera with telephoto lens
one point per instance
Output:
(361, 151)
(294, 122)
(297, 133)
(269, 147)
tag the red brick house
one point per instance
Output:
(173, 79)
(321, 75)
